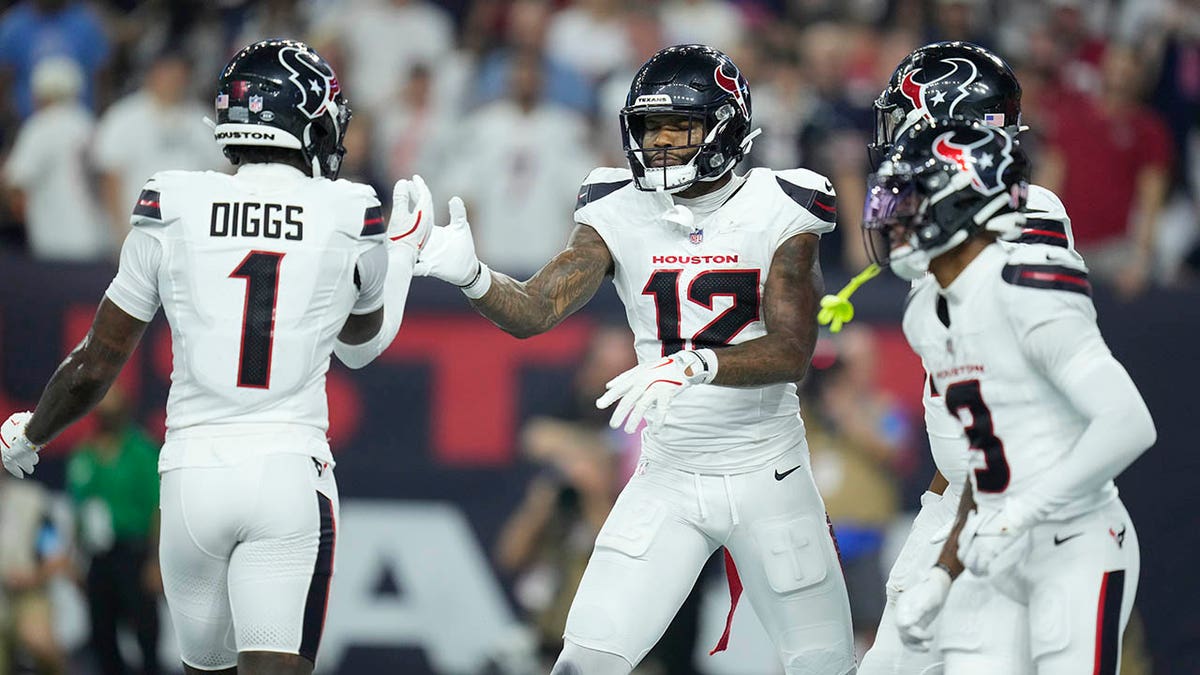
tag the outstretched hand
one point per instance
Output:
(449, 254)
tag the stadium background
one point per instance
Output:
(509, 103)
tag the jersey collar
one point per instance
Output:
(972, 276)
(270, 171)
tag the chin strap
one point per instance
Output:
(748, 141)
(837, 310)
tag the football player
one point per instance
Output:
(940, 80)
(718, 275)
(1007, 334)
(262, 274)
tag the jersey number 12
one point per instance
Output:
(739, 285)
(260, 269)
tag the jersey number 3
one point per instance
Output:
(260, 269)
(993, 477)
(739, 285)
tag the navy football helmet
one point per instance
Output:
(946, 79)
(282, 94)
(703, 85)
(942, 182)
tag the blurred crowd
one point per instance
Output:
(509, 103)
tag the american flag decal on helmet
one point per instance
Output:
(148, 205)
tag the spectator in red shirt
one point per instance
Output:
(1109, 158)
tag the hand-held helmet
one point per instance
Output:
(699, 83)
(946, 79)
(942, 182)
(282, 94)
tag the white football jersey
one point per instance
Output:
(974, 339)
(703, 287)
(1046, 222)
(257, 273)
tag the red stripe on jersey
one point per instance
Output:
(1045, 233)
(1050, 276)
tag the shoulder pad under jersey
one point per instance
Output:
(148, 210)
(1046, 220)
(1046, 267)
(600, 183)
(812, 191)
(364, 202)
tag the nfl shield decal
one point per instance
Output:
(696, 236)
(256, 104)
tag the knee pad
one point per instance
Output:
(794, 553)
(1049, 620)
(578, 660)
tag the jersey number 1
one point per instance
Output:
(739, 285)
(260, 269)
(994, 475)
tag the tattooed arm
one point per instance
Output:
(86, 374)
(527, 308)
(790, 301)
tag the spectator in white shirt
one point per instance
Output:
(708, 22)
(590, 36)
(154, 129)
(47, 173)
(381, 38)
(518, 164)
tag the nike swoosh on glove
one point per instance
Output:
(997, 539)
(917, 607)
(412, 213)
(18, 454)
(654, 385)
(449, 254)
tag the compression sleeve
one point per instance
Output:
(1071, 353)
(400, 261)
(372, 271)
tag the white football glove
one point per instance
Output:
(18, 454)
(412, 213)
(654, 385)
(996, 539)
(918, 606)
(449, 254)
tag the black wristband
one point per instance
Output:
(478, 273)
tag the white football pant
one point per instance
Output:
(247, 557)
(665, 525)
(1077, 585)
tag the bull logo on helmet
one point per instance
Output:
(936, 104)
(731, 85)
(985, 169)
(316, 82)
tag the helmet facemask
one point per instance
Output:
(705, 161)
(705, 89)
(913, 215)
